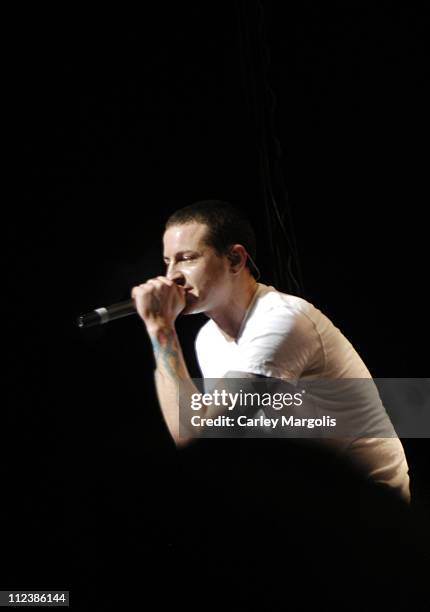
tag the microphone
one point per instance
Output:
(103, 315)
(99, 316)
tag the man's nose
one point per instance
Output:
(179, 279)
(176, 276)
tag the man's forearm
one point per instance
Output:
(171, 375)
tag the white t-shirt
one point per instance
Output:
(285, 337)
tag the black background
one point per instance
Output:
(119, 119)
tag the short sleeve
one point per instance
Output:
(281, 344)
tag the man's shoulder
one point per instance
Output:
(278, 317)
(274, 303)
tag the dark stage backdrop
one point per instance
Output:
(119, 119)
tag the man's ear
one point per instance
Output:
(235, 257)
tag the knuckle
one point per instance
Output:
(139, 290)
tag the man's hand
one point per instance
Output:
(158, 302)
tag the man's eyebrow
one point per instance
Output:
(180, 253)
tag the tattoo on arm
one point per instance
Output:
(163, 343)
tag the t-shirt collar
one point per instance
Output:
(248, 311)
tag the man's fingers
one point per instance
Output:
(157, 283)
(159, 299)
(165, 280)
(139, 290)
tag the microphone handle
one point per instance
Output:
(99, 316)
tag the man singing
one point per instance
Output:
(253, 331)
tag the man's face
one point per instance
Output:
(201, 270)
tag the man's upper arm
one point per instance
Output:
(260, 379)
(237, 374)
(245, 393)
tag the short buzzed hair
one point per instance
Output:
(226, 226)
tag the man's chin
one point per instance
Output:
(191, 306)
